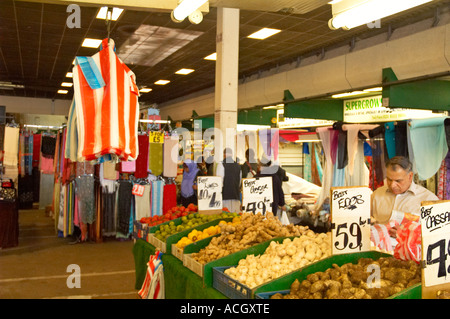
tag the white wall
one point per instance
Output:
(27, 105)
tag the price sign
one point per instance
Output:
(156, 137)
(257, 195)
(350, 218)
(209, 194)
(435, 226)
(138, 190)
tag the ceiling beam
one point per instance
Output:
(141, 5)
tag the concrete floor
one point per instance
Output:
(38, 267)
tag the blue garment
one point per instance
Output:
(429, 145)
(389, 137)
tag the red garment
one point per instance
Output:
(36, 149)
(169, 197)
(142, 159)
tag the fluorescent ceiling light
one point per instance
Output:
(67, 84)
(377, 89)
(69, 75)
(184, 71)
(145, 90)
(63, 91)
(264, 33)
(336, 96)
(348, 15)
(211, 57)
(91, 43)
(116, 12)
(162, 82)
(185, 8)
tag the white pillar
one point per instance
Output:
(227, 67)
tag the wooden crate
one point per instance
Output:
(193, 265)
(156, 242)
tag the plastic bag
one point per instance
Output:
(153, 286)
(284, 218)
(379, 236)
(409, 245)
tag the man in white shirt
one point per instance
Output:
(400, 197)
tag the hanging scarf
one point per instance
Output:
(188, 179)
(142, 159)
(157, 198)
(170, 156)
(155, 158)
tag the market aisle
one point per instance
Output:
(37, 268)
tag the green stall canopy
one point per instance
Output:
(319, 109)
(429, 94)
(257, 116)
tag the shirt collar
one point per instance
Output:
(412, 188)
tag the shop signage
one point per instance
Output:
(371, 109)
(156, 137)
(435, 226)
(257, 196)
(138, 190)
(209, 194)
(350, 218)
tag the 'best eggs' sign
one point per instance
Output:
(350, 217)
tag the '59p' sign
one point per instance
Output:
(350, 218)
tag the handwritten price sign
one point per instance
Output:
(350, 217)
(435, 224)
(257, 195)
(209, 194)
(156, 137)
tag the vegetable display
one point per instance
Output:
(253, 229)
(281, 258)
(196, 235)
(351, 281)
(188, 221)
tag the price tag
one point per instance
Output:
(138, 190)
(435, 226)
(209, 194)
(350, 218)
(257, 195)
(156, 137)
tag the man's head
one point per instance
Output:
(399, 174)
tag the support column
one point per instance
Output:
(227, 68)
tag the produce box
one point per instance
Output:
(140, 230)
(206, 270)
(283, 283)
(166, 246)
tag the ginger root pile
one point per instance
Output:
(281, 258)
(350, 281)
(253, 229)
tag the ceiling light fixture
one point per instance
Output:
(63, 91)
(188, 8)
(184, 71)
(211, 57)
(145, 90)
(162, 82)
(102, 13)
(67, 84)
(348, 14)
(377, 89)
(69, 75)
(91, 43)
(264, 33)
(347, 94)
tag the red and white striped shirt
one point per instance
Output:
(107, 109)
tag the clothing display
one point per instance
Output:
(106, 103)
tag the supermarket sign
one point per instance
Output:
(371, 109)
